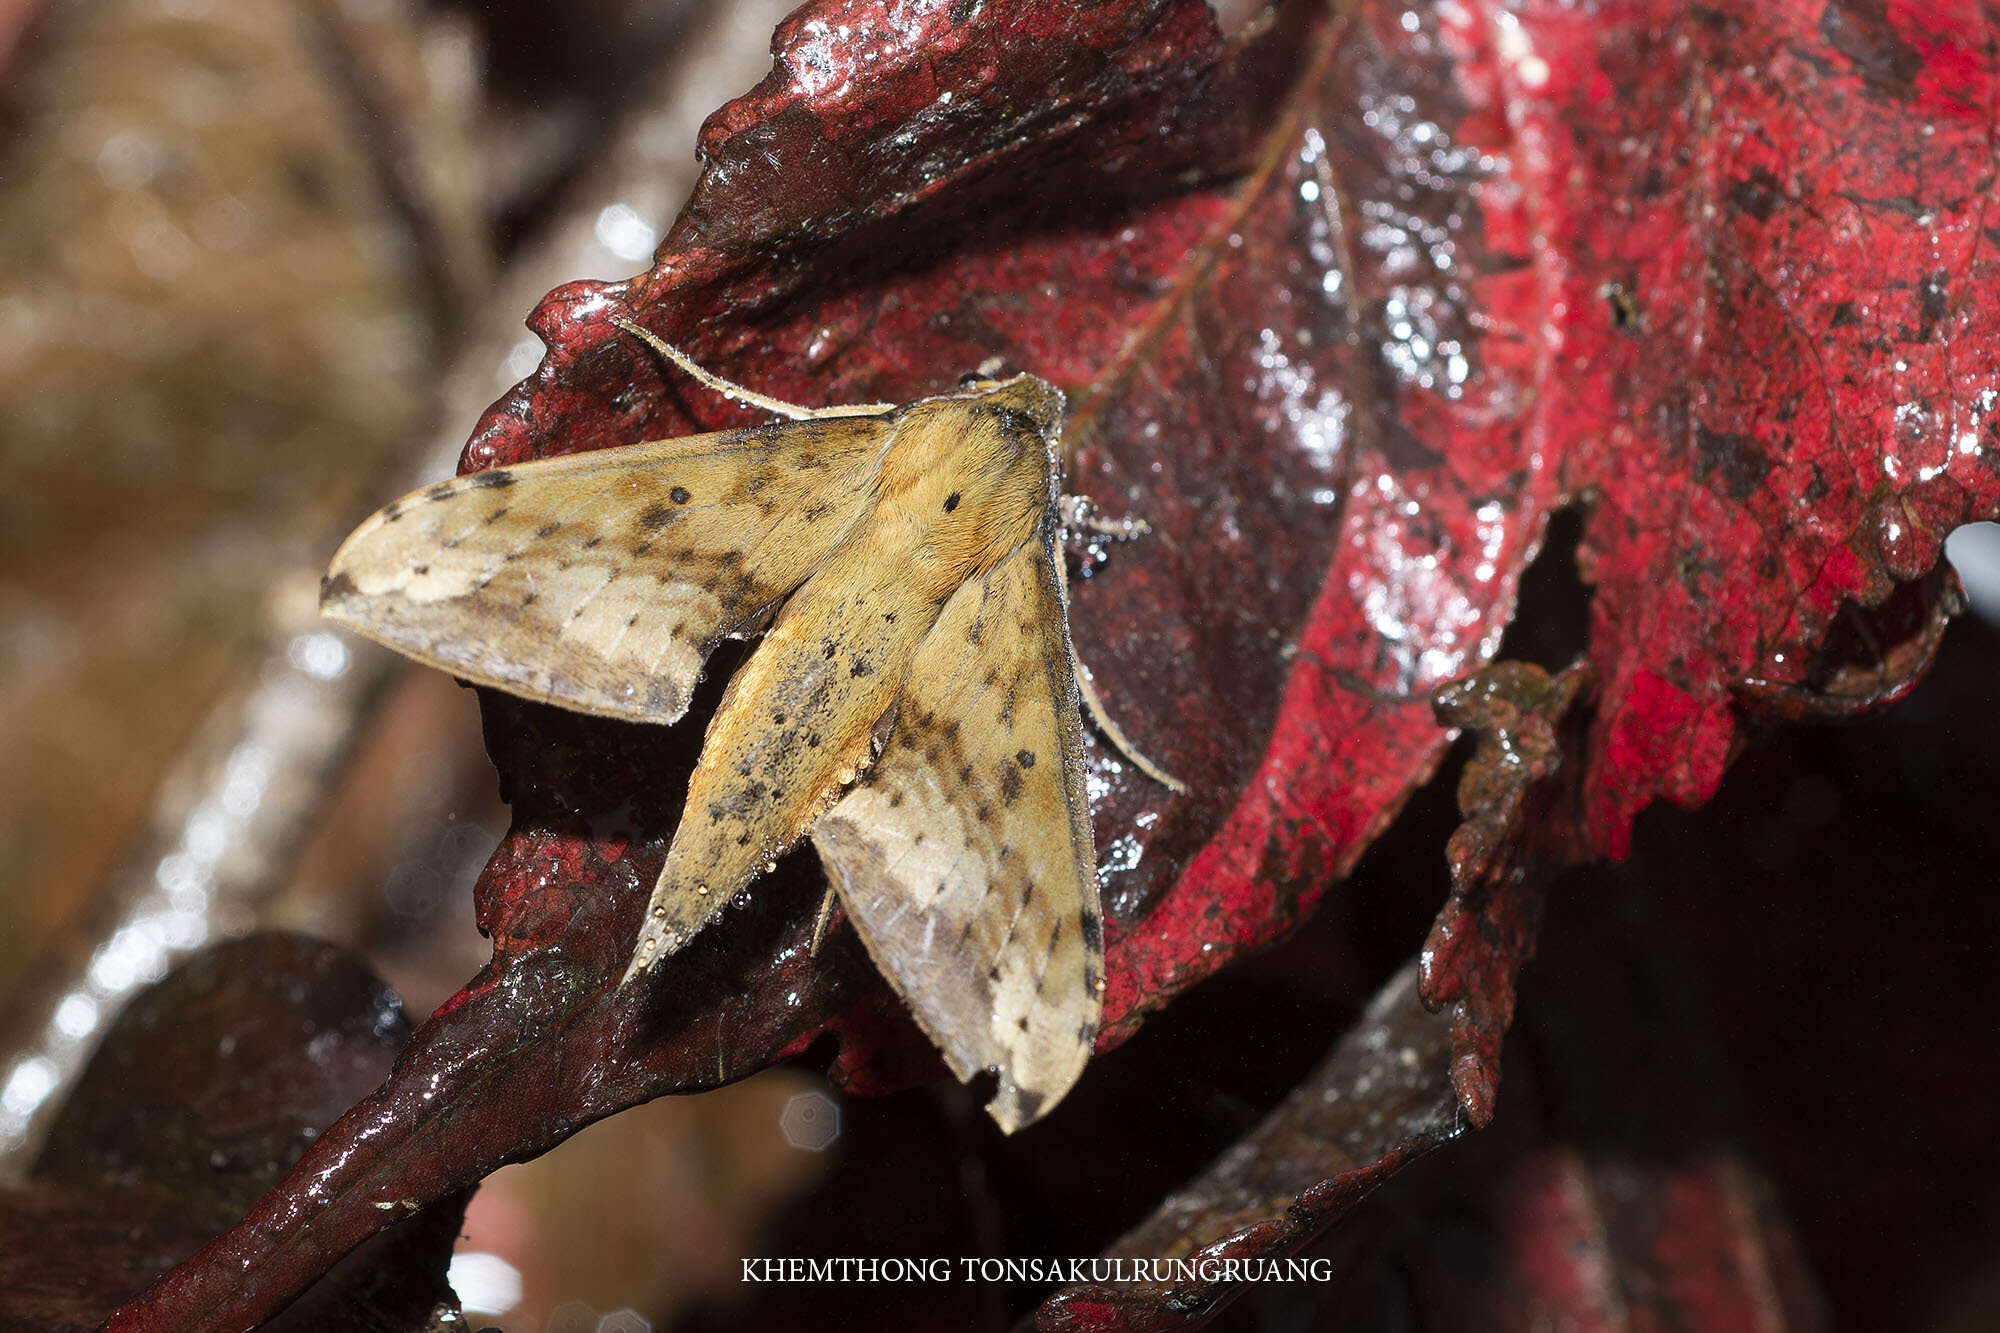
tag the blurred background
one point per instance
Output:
(261, 267)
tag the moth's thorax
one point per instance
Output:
(969, 477)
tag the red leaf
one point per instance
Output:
(1501, 858)
(1345, 305)
(1767, 273)
(205, 1089)
(1618, 1186)
(1376, 1104)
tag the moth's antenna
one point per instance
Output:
(737, 392)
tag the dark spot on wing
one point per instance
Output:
(778, 719)
(679, 495)
(492, 480)
(548, 529)
(860, 668)
(418, 570)
(336, 586)
(1025, 758)
(1093, 932)
(1010, 785)
(653, 517)
(951, 502)
(392, 511)
(593, 541)
(895, 799)
(497, 514)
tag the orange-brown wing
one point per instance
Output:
(602, 581)
(964, 858)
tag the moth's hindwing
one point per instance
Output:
(964, 859)
(602, 581)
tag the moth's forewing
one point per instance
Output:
(965, 859)
(602, 581)
(794, 728)
(964, 481)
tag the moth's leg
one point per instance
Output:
(1079, 517)
(1112, 733)
(737, 392)
(819, 926)
(1085, 532)
(992, 368)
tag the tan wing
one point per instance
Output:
(965, 858)
(794, 728)
(602, 581)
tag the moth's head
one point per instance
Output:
(1037, 399)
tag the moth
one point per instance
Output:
(914, 705)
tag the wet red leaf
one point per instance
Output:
(1768, 278)
(1345, 303)
(1615, 1188)
(1377, 1103)
(205, 1089)
(1501, 858)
